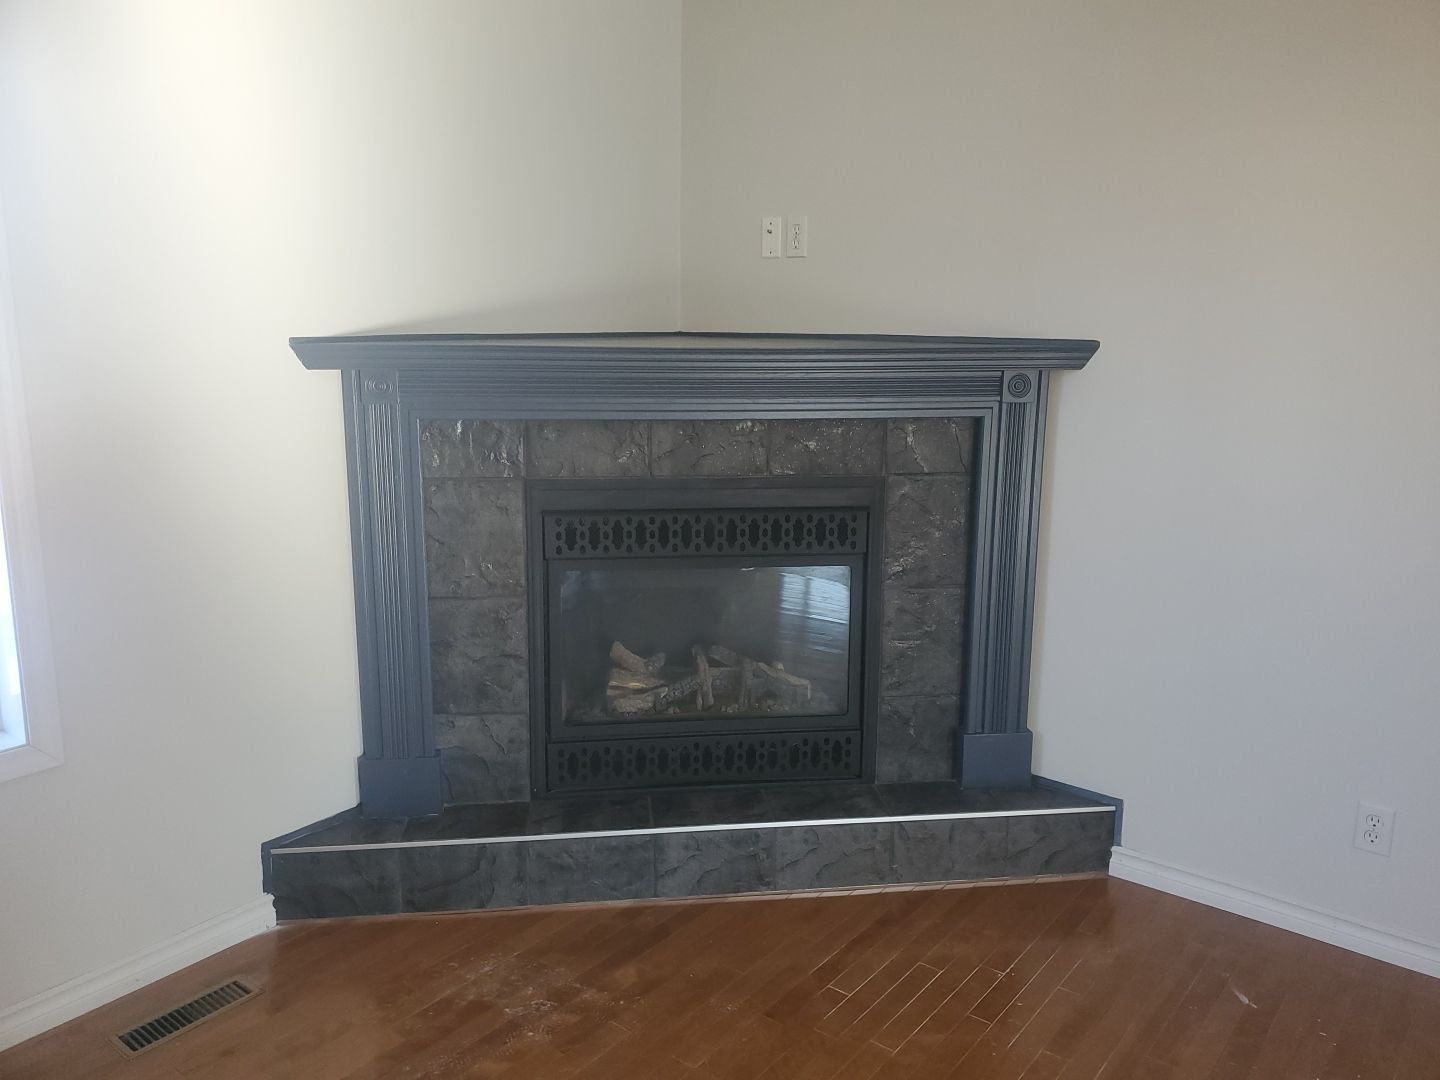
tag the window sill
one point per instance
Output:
(21, 759)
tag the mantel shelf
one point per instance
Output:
(396, 352)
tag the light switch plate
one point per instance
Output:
(770, 230)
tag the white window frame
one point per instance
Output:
(39, 745)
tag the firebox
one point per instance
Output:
(692, 633)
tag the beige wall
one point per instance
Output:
(1239, 597)
(1240, 600)
(184, 186)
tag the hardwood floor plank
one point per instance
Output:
(934, 1052)
(861, 1021)
(889, 919)
(867, 1064)
(811, 1055)
(772, 973)
(1419, 1054)
(1040, 950)
(565, 976)
(1008, 1047)
(906, 937)
(1260, 996)
(1198, 1055)
(1046, 1066)
(909, 1020)
(1056, 980)
(966, 976)
(1134, 960)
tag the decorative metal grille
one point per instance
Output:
(705, 759)
(705, 532)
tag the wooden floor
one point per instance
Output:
(1055, 980)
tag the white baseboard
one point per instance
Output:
(1327, 926)
(71, 999)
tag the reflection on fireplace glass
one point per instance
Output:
(666, 642)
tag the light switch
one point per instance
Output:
(771, 228)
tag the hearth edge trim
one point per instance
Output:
(663, 830)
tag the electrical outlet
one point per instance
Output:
(797, 239)
(1374, 827)
(770, 230)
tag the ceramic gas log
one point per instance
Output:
(720, 681)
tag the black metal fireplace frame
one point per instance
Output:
(391, 383)
(647, 749)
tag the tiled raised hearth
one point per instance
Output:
(693, 843)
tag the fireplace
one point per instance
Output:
(689, 614)
(671, 471)
(703, 632)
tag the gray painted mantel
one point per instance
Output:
(394, 383)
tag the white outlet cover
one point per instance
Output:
(1374, 828)
(797, 237)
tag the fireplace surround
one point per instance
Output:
(415, 405)
(733, 484)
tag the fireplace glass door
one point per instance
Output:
(640, 641)
(727, 637)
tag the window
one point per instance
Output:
(12, 709)
(29, 717)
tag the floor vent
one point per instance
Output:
(156, 1030)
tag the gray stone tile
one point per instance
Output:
(587, 448)
(921, 651)
(332, 884)
(927, 527)
(477, 655)
(965, 849)
(353, 830)
(484, 758)
(701, 806)
(915, 739)
(474, 537)
(589, 813)
(827, 448)
(946, 796)
(470, 448)
(713, 863)
(930, 797)
(593, 868)
(1033, 798)
(472, 821)
(930, 444)
(831, 856)
(461, 877)
(816, 802)
(1060, 843)
(708, 447)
